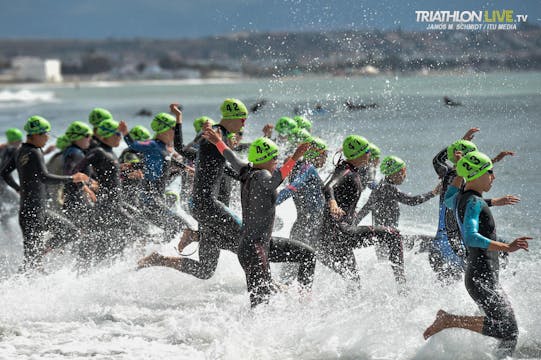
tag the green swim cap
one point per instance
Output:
(464, 146)
(473, 165)
(375, 152)
(299, 136)
(285, 126)
(262, 150)
(233, 109)
(172, 197)
(107, 128)
(97, 115)
(303, 122)
(200, 121)
(162, 123)
(391, 165)
(14, 134)
(355, 146)
(78, 130)
(319, 147)
(37, 125)
(62, 142)
(131, 158)
(139, 133)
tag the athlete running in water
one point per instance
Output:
(260, 178)
(219, 228)
(306, 188)
(157, 156)
(339, 235)
(447, 252)
(8, 198)
(482, 266)
(384, 200)
(34, 216)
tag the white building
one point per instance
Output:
(36, 69)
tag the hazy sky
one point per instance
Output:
(180, 18)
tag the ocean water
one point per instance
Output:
(115, 312)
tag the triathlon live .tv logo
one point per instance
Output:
(470, 20)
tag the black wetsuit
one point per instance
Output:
(8, 198)
(340, 237)
(257, 249)
(76, 206)
(219, 227)
(115, 225)
(34, 216)
(383, 202)
(482, 270)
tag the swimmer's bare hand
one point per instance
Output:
(212, 135)
(80, 177)
(503, 154)
(175, 109)
(519, 243)
(470, 134)
(49, 149)
(123, 128)
(267, 130)
(505, 200)
(335, 210)
(89, 194)
(301, 149)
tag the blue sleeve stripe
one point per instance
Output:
(450, 197)
(472, 238)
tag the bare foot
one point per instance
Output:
(188, 237)
(438, 325)
(153, 259)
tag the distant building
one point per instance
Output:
(36, 69)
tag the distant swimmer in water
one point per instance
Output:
(482, 266)
(449, 102)
(144, 112)
(352, 106)
(258, 105)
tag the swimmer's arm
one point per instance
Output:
(440, 163)
(236, 163)
(140, 146)
(413, 200)
(365, 209)
(6, 171)
(450, 197)
(472, 238)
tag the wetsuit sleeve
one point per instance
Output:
(231, 157)
(412, 200)
(440, 163)
(231, 173)
(298, 183)
(178, 140)
(6, 172)
(450, 197)
(366, 208)
(140, 146)
(472, 237)
(270, 181)
(46, 176)
(337, 177)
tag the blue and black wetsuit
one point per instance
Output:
(447, 252)
(482, 267)
(306, 188)
(340, 237)
(34, 216)
(157, 163)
